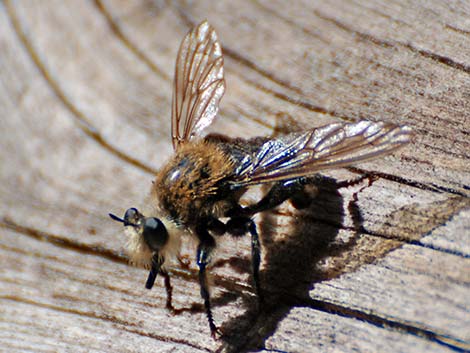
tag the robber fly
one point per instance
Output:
(202, 183)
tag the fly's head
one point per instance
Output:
(146, 235)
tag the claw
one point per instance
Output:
(216, 333)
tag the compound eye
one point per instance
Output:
(131, 216)
(155, 233)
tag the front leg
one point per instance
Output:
(203, 258)
(155, 269)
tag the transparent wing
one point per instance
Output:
(331, 146)
(198, 84)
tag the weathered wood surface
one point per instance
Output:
(84, 108)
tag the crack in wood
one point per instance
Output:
(91, 131)
(427, 333)
(63, 242)
(269, 75)
(291, 22)
(457, 29)
(190, 22)
(392, 44)
(133, 48)
(251, 339)
(230, 53)
(451, 144)
(412, 183)
(79, 117)
(125, 325)
(231, 287)
(297, 101)
(447, 152)
(439, 58)
(396, 237)
(288, 299)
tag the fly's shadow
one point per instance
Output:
(291, 261)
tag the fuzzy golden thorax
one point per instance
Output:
(187, 185)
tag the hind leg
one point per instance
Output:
(239, 226)
(300, 191)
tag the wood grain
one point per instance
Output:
(84, 110)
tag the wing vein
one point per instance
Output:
(198, 85)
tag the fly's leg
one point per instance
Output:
(155, 269)
(351, 182)
(157, 262)
(255, 258)
(300, 192)
(169, 292)
(239, 226)
(241, 223)
(203, 257)
(295, 189)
